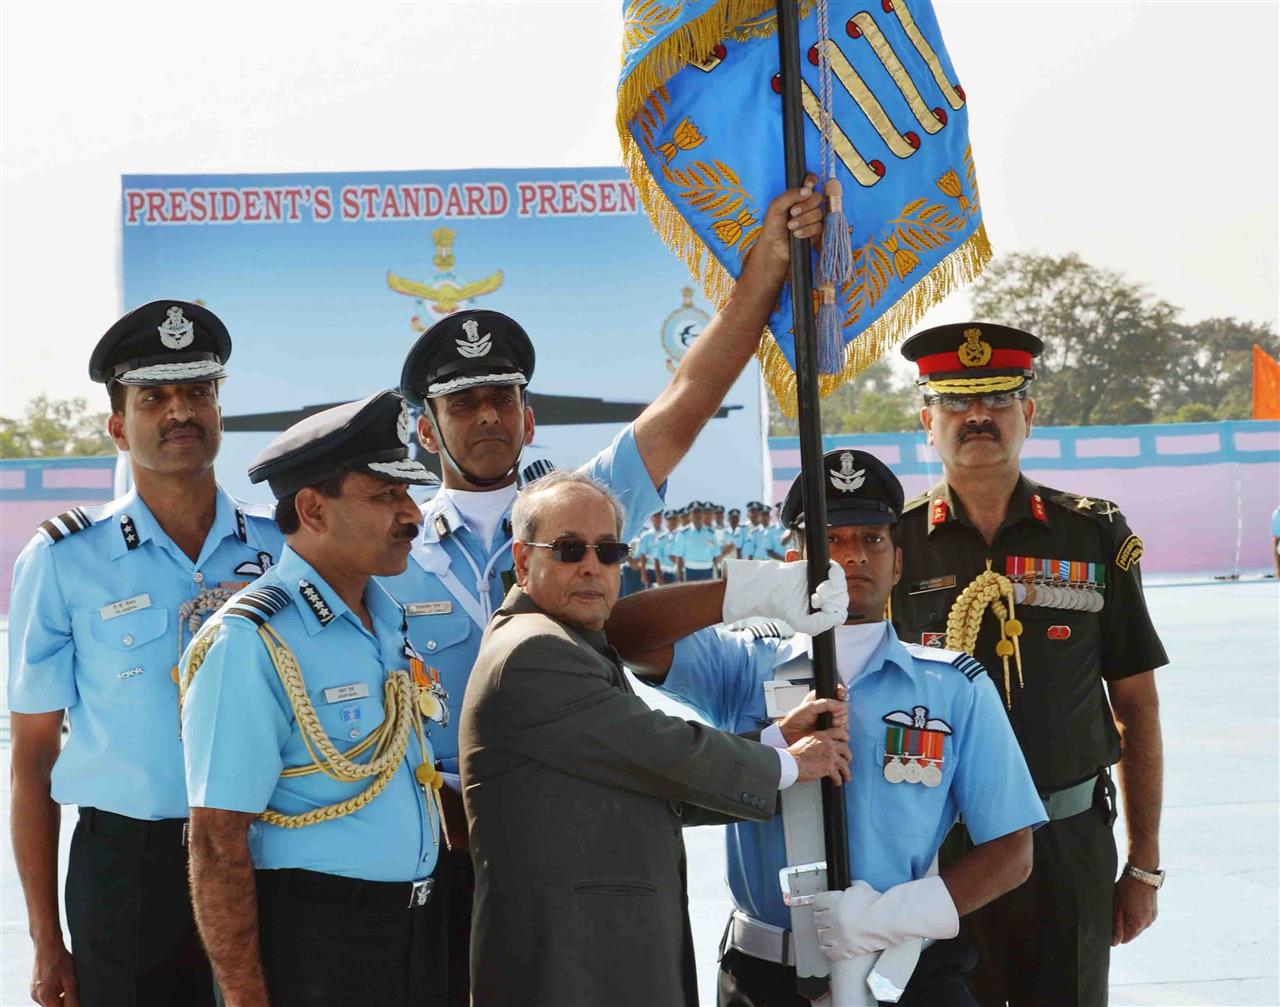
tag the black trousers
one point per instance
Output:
(451, 923)
(322, 950)
(1047, 943)
(133, 936)
(752, 982)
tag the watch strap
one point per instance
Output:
(1154, 879)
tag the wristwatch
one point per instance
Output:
(1154, 879)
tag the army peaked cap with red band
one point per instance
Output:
(973, 358)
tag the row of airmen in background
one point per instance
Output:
(688, 543)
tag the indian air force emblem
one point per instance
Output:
(845, 478)
(176, 332)
(913, 746)
(474, 345)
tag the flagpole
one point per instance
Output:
(835, 830)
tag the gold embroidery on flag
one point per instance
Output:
(949, 90)
(642, 19)
(840, 143)
(685, 137)
(889, 59)
(713, 188)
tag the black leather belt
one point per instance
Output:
(318, 887)
(159, 834)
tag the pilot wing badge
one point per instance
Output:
(913, 746)
(474, 345)
(846, 478)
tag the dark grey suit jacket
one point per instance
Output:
(576, 793)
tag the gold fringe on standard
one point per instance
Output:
(690, 43)
(961, 266)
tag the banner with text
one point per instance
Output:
(326, 279)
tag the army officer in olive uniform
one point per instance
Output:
(1072, 648)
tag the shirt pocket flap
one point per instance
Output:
(432, 634)
(129, 632)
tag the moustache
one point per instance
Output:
(184, 425)
(976, 430)
(407, 532)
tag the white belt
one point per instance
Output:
(698, 564)
(760, 940)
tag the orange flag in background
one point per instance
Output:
(1266, 385)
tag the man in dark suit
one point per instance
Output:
(576, 791)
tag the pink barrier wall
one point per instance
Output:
(1200, 495)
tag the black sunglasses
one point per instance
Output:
(573, 550)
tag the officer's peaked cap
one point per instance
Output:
(859, 488)
(371, 435)
(162, 343)
(466, 349)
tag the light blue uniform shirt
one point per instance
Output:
(94, 629)
(894, 829)
(699, 547)
(239, 732)
(753, 543)
(647, 545)
(735, 537)
(454, 582)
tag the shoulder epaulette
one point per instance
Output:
(265, 511)
(67, 523)
(258, 604)
(771, 630)
(915, 502)
(535, 470)
(970, 666)
(1102, 511)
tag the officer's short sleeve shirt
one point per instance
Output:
(241, 732)
(895, 829)
(103, 602)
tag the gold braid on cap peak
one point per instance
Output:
(965, 621)
(977, 386)
(389, 740)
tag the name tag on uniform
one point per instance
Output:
(428, 608)
(344, 693)
(933, 584)
(125, 606)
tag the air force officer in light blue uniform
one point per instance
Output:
(307, 721)
(103, 600)
(930, 742)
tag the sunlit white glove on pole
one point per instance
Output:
(859, 919)
(775, 590)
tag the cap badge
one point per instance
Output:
(176, 332)
(404, 424)
(475, 345)
(974, 352)
(847, 480)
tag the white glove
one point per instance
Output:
(860, 920)
(776, 590)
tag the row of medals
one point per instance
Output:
(1046, 594)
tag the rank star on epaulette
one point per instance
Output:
(129, 531)
(1037, 508)
(318, 605)
(1084, 503)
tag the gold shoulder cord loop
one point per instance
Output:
(965, 621)
(389, 740)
